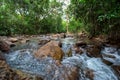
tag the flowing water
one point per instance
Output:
(111, 54)
(23, 59)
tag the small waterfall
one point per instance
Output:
(82, 64)
(111, 54)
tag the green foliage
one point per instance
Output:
(97, 16)
(30, 17)
(44, 16)
(75, 25)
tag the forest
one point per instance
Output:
(45, 16)
(59, 40)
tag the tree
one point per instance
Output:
(98, 16)
(30, 16)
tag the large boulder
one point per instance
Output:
(93, 51)
(4, 46)
(50, 49)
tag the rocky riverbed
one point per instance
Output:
(41, 58)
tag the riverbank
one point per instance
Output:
(83, 59)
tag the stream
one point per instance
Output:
(22, 58)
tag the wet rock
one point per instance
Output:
(96, 41)
(78, 50)
(43, 42)
(82, 35)
(1, 56)
(13, 40)
(80, 44)
(38, 78)
(89, 74)
(69, 52)
(68, 41)
(73, 75)
(107, 62)
(117, 70)
(93, 51)
(27, 76)
(111, 55)
(50, 49)
(55, 36)
(24, 41)
(4, 46)
(58, 62)
(6, 73)
(69, 35)
(46, 68)
(11, 44)
(101, 71)
(60, 44)
(63, 35)
(66, 72)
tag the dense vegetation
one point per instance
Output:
(30, 16)
(96, 16)
(45, 16)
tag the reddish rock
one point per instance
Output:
(94, 51)
(50, 49)
(4, 46)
